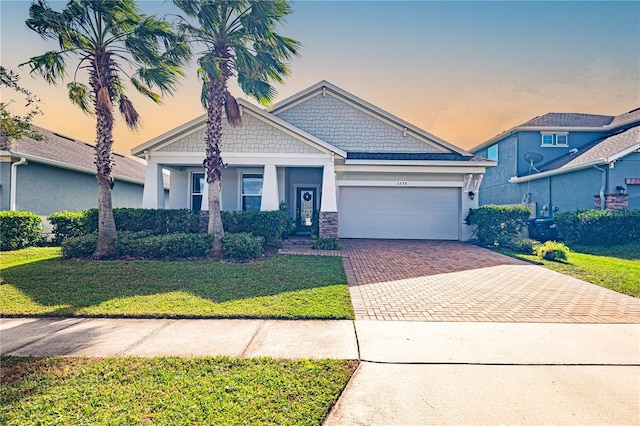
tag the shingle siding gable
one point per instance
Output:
(349, 128)
(253, 136)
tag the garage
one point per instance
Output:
(399, 213)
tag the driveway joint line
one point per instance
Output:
(255, 334)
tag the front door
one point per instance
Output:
(306, 206)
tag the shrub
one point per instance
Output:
(79, 247)
(266, 224)
(67, 225)
(326, 244)
(315, 225)
(553, 250)
(158, 221)
(520, 244)
(599, 227)
(19, 229)
(142, 245)
(242, 246)
(497, 223)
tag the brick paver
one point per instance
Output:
(453, 281)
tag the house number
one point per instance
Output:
(401, 183)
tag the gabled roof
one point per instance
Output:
(62, 151)
(602, 151)
(555, 121)
(367, 108)
(200, 122)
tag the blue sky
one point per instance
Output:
(464, 71)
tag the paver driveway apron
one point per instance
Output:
(453, 281)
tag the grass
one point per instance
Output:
(616, 268)
(169, 391)
(37, 282)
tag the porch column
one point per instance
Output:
(153, 193)
(270, 199)
(328, 201)
(328, 217)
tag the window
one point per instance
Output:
(492, 152)
(555, 139)
(197, 186)
(251, 191)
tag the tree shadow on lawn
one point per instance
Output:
(70, 286)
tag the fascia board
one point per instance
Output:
(520, 179)
(72, 167)
(487, 163)
(623, 153)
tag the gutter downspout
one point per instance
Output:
(14, 182)
(603, 205)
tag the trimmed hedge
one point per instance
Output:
(19, 229)
(67, 225)
(266, 224)
(143, 245)
(242, 246)
(497, 224)
(599, 227)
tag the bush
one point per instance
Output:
(19, 229)
(67, 225)
(79, 247)
(143, 245)
(242, 246)
(266, 224)
(497, 223)
(158, 221)
(326, 244)
(599, 227)
(553, 250)
(520, 244)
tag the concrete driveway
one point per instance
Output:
(453, 281)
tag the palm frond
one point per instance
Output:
(129, 113)
(79, 95)
(50, 66)
(142, 88)
(232, 110)
(103, 101)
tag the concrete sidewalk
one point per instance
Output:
(410, 372)
(183, 337)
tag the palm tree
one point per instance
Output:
(238, 39)
(110, 40)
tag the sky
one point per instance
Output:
(462, 70)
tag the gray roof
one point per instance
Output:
(561, 119)
(606, 148)
(413, 156)
(67, 151)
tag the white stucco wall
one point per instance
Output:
(349, 128)
(254, 136)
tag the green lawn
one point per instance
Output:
(169, 391)
(616, 268)
(37, 281)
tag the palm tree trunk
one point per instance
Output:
(107, 236)
(213, 162)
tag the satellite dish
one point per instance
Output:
(533, 157)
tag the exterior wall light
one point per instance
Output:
(620, 189)
(472, 195)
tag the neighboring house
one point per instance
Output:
(562, 162)
(59, 174)
(368, 173)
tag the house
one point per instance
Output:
(565, 161)
(59, 174)
(366, 172)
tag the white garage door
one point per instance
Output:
(402, 213)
